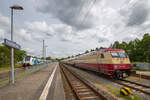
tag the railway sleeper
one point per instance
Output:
(80, 87)
(83, 90)
(86, 93)
(90, 98)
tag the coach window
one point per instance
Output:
(102, 55)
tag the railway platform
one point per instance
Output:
(59, 81)
(143, 72)
(44, 84)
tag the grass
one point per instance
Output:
(129, 98)
(141, 70)
(8, 67)
(3, 83)
(29, 72)
(21, 75)
(116, 92)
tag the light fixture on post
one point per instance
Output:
(15, 7)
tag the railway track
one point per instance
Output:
(131, 82)
(142, 76)
(81, 89)
(133, 85)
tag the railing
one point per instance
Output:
(5, 77)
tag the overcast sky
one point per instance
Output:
(70, 27)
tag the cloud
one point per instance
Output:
(63, 32)
(139, 13)
(40, 27)
(1, 34)
(93, 27)
(4, 26)
(135, 12)
(59, 54)
(61, 24)
(30, 51)
(70, 12)
(35, 30)
(4, 21)
(56, 54)
(24, 34)
(130, 37)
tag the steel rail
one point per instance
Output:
(132, 87)
(142, 76)
(120, 83)
(136, 83)
(81, 89)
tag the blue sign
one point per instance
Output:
(11, 44)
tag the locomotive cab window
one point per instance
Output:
(102, 55)
(27, 58)
(118, 55)
(122, 55)
(114, 54)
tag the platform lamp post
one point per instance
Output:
(45, 53)
(12, 49)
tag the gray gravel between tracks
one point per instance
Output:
(139, 80)
(103, 92)
(101, 80)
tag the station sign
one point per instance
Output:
(11, 44)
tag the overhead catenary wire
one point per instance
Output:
(91, 4)
(81, 7)
(88, 11)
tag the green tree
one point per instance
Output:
(19, 55)
(92, 50)
(116, 45)
(5, 55)
(86, 51)
(97, 49)
(48, 58)
(138, 50)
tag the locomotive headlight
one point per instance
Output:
(115, 66)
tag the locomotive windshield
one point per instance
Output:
(27, 58)
(122, 55)
(118, 55)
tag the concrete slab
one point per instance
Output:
(143, 72)
(27, 88)
(56, 91)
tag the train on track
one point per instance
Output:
(30, 61)
(112, 62)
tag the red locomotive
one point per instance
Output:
(112, 62)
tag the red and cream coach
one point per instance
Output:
(112, 62)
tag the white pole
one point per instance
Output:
(43, 51)
(12, 50)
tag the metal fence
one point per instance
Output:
(143, 66)
(20, 72)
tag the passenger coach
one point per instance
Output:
(112, 62)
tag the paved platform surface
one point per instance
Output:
(56, 91)
(31, 86)
(143, 72)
